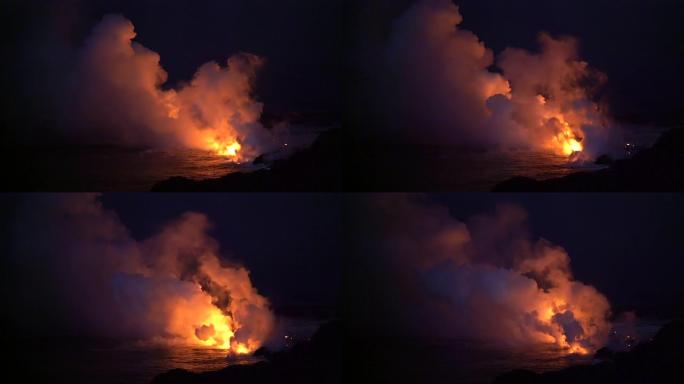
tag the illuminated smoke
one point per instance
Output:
(119, 98)
(485, 279)
(171, 288)
(446, 91)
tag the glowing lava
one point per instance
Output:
(230, 149)
(196, 321)
(566, 142)
(217, 331)
(569, 143)
(553, 331)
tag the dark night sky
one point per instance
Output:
(628, 246)
(291, 243)
(635, 42)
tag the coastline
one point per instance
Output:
(656, 169)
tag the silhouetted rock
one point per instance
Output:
(605, 160)
(657, 169)
(315, 169)
(656, 361)
(317, 361)
(604, 353)
(262, 352)
(261, 159)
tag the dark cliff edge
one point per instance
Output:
(656, 361)
(318, 360)
(657, 169)
(315, 169)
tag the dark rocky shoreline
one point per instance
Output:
(655, 361)
(315, 169)
(657, 169)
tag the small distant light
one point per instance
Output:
(286, 144)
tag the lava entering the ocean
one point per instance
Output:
(171, 288)
(120, 93)
(443, 82)
(485, 279)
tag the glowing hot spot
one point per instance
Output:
(215, 331)
(230, 149)
(571, 145)
(567, 141)
(557, 336)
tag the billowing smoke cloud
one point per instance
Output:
(119, 98)
(445, 90)
(485, 279)
(169, 288)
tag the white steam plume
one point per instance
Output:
(446, 90)
(486, 279)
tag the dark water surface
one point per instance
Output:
(388, 168)
(471, 362)
(130, 365)
(118, 169)
(439, 168)
(113, 168)
(444, 169)
(105, 169)
(139, 363)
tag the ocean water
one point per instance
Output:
(139, 363)
(436, 362)
(446, 169)
(128, 364)
(113, 168)
(121, 169)
(412, 168)
(472, 362)
(439, 168)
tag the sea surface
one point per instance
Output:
(444, 361)
(120, 169)
(139, 363)
(110, 168)
(446, 169)
(440, 168)
(470, 362)
(114, 168)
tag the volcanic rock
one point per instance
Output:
(604, 160)
(657, 169)
(656, 361)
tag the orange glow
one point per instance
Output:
(553, 333)
(569, 144)
(215, 111)
(197, 322)
(227, 149)
(220, 331)
(568, 139)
